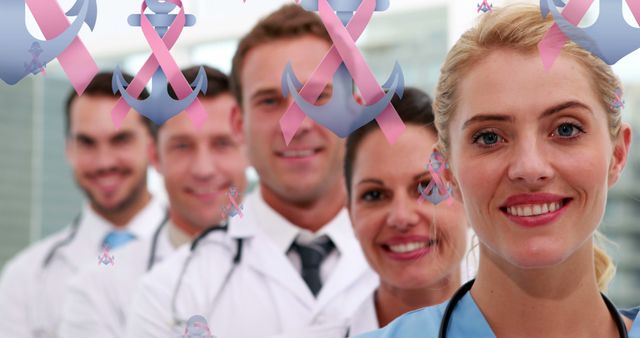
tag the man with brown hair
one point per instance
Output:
(199, 166)
(291, 266)
(109, 165)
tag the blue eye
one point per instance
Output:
(568, 130)
(487, 138)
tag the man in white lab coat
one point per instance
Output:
(199, 166)
(110, 166)
(290, 266)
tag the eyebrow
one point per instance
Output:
(121, 135)
(371, 180)
(179, 137)
(84, 138)
(265, 92)
(508, 118)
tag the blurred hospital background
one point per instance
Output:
(37, 192)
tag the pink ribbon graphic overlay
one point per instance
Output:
(344, 50)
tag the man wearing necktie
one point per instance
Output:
(300, 271)
(109, 165)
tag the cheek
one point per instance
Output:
(367, 225)
(452, 224)
(175, 173)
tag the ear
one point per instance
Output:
(237, 123)
(620, 153)
(154, 156)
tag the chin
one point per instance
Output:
(538, 259)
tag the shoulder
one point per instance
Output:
(419, 323)
(31, 259)
(130, 263)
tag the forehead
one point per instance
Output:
(507, 81)
(91, 116)
(411, 150)
(264, 64)
(218, 121)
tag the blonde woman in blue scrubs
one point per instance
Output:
(415, 247)
(532, 155)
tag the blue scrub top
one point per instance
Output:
(466, 321)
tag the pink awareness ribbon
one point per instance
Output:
(75, 60)
(554, 40)
(161, 57)
(234, 203)
(436, 181)
(344, 50)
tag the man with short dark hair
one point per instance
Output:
(291, 266)
(110, 167)
(200, 166)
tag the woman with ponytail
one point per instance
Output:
(531, 154)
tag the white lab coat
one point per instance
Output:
(98, 299)
(263, 296)
(31, 295)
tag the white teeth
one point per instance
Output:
(533, 209)
(408, 247)
(297, 153)
(537, 209)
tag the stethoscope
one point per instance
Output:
(154, 242)
(75, 226)
(237, 258)
(448, 312)
(40, 318)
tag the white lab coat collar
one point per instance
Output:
(260, 221)
(282, 232)
(93, 228)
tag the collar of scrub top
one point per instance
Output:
(473, 324)
(633, 314)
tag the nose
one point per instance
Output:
(402, 213)
(203, 166)
(105, 159)
(530, 165)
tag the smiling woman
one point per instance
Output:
(532, 155)
(414, 246)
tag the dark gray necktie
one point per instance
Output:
(312, 255)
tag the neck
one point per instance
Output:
(392, 302)
(542, 302)
(121, 218)
(310, 215)
(184, 226)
